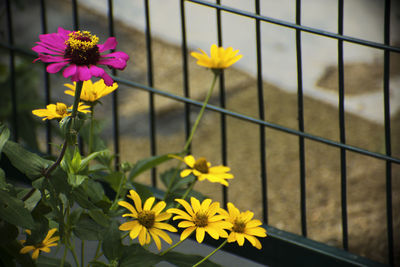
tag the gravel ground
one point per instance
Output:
(365, 176)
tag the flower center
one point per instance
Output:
(238, 226)
(201, 219)
(147, 218)
(61, 109)
(201, 165)
(82, 48)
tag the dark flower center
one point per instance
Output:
(201, 219)
(82, 48)
(61, 109)
(238, 226)
(147, 218)
(201, 165)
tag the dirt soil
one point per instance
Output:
(366, 176)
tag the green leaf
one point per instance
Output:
(99, 217)
(92, 156)
(113, 247)
(114, 179)
(4, 135)
(8, 232)
(3, 182)
(33, 200)
(136, 255)
(76, 180)
(76, 160)
(146, 164)
(13, 211)
(44, 261)
(172, 178)
(186, 260)
(11, 250)
(94, 190)
(81, 198)
(26, 162)
(87, 229)
(98, 264)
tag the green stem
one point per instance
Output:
(72, 249)
(192, 131)
(98, 248)
(78, 90)
(91, 128)
(123, 179)
(64, 256)
(172, 247)
(196, 123)
(83, 253)
(212, 253)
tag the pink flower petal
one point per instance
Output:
(84, 73)
(119, 54)
(52, 40)
(63, 32)
(70, 70)
(42, 49)
(107, 79)
(75, 77)
(48, 58)
(55, 67)
(114, 63)
(110, 43)
(96, 71)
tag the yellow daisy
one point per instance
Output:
(147, 221)
(220, 58)
(203, 170)
(91, 92)
(45, 245)
(243, 226)
(58, 111)
(201, 217)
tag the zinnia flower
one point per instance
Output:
(45, 245)
(91, 92)
(201, 217)
(147, 221)
(203, 170)
(58, 111)
(243, 226)
(79, 52)
(220, 58)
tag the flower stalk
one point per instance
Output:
(212, 253)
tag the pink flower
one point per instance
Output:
(79, 52)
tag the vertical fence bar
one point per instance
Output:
(46, 78)
(388, 145)
(110, 16)
(260, 92)
(75, 18)
(300, 115)
(150, 82)
(342, 128)
(185, 70)
(223, 104)
(13, 87)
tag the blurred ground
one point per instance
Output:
(365, 175)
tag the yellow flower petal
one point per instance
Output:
(149, 203)
(136, 199)
(129, 207)
(200, 232)
(159, 207)
(187, 232)
(189, 160)
(186, 206)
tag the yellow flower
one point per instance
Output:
(243, 226)
(220, 58)
(147, 221)
(91, 92)
(201, 217)
(58, 111)
(203, 170)
(45, 245)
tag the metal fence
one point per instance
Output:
(278, 248)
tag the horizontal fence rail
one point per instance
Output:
(280, 242)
